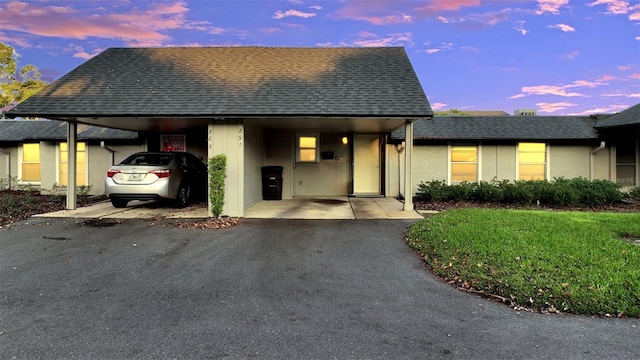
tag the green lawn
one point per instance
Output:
(575, 262)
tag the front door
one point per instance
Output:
(366, 164)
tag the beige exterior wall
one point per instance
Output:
(324, 178)
(569, 161)
(497, 162)
(431, 162)
(228, 137)
(254, 160)
(48, 165)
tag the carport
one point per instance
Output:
(255, 105)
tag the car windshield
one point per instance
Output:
(148, 159)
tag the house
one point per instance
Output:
(622, 133)
(323, 114)
(483, 148)
(34, 153)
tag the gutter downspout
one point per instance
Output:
(113, 153)
(592, 160)
(8, 166)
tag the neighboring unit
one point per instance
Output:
(33, 153)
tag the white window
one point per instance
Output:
(307, 148)
(81, 164)
(30, 169)
(464, 163)
(532, 161)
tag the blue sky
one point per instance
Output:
(560, 57)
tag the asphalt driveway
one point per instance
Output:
(274, 289)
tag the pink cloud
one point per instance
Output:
(437, 6)
(438, 106)
(550, 6)
(572, 55)
(519, 27)
(136, 26)
(270, 30)
(635, 76)
(281, 15)
(390, 40)
(558, 90)
(563, 27)
(553, 107)
(617, 7)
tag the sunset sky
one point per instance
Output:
(560, 57)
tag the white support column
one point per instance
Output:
(408, 154)
(71, 164)
(227, 137)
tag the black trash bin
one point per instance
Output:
(272, 183)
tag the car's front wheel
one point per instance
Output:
(182, 199)
(118, 203)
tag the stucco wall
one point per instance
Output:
(254, 160)
(326, 177)
(8, 164)
(430, 162)
(569, 161)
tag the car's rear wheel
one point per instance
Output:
(183, 196)
(118, 203)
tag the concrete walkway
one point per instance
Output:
(326, 208)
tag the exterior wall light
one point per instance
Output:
(345, 140)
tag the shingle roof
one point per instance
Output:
(627, 117)
(21, 130)
(503, 128)
(235, 81)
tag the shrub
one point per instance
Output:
(487, 192)
(562, 192)
(434, 190)
(217, 174)
(518, 192)
(634, 193)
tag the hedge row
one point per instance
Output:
(560, 191)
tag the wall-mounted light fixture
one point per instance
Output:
(345, 140)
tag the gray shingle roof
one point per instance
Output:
(235, 81)
(21, 130)
(627, 117)
(503, 128)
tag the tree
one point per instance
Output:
(451, 112)
(16, 85)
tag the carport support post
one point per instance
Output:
(71, 164)
(408, 152)
(226, 136)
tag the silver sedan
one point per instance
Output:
(177, 176)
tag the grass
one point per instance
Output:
(575, 262)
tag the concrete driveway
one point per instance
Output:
(267, 289)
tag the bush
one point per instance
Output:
(634, 194)
(560, 192)
(217, 174)
(487, 192)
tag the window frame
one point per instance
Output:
(21, 153)
(520, 163)
(299, 148)
(63, 160)
(451, 162)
